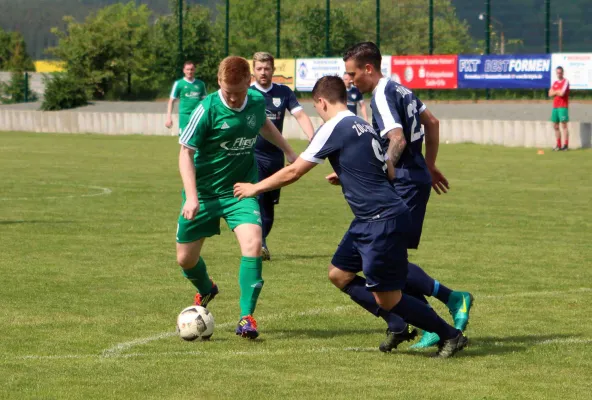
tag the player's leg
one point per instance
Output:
(268, 200)
(243, 218)
(555, 120)
(191, 235)
(383, 247)
(565, 120)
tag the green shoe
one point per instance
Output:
(428, 339)
(459, 305)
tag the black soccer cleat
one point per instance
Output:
(448, 348)
(393, 339)
(565, 148)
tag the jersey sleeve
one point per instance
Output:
(197, 128)
(176, 91)
(323, 144)
(385, 111)
(293, 104)
(421, 107)
(565, 87)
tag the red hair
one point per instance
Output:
(234, 70)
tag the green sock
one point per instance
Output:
(198, 275)
(250, 282)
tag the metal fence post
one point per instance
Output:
(378, 23)
(26, 91)
(277, 28)
(547, 26)
(487, 36)
(226, 46)
(180, 33)
(327, 30)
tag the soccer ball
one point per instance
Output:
(195, 322)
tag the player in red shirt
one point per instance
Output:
(560, 93)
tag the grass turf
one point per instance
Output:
(90, 288)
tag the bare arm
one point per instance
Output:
(305, 124)
(431, 126)
(188, 175)
(432, 142)
(396, 145)
(169, 117)
(283, 177)
(363, 110)
(270, 133)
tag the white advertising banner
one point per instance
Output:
(309, 70)
(577, 67)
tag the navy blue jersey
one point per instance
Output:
(355, 153)
(354, 96)
(395, 106)
(278, 99)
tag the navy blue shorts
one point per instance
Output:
(267, 167)
(416, 197)
(379, 250)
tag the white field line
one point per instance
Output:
(102, 191)
(313, 350)
(533, 294)
(121, 347)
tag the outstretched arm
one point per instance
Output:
(270, 133)
(283, 177)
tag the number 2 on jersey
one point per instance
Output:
(412, 113)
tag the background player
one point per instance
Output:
(270, 159)
(354, 97)
(223, 130)
(398, 116)
(376, 242)
(190, 92)
(560, 93)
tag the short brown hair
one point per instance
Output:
(262, 56)
(188, 62)
(234, 70)
(330, 88)
(364, 53)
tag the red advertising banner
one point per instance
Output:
(425, 72)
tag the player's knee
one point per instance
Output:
(252, 246)
(388, 300)
(339, 278)
(187, 260)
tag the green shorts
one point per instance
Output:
(560, 115)
(183, 122)
(207, 221)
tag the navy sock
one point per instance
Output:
(357, 291)
(419, 281)
(421, 315)
(267, 210)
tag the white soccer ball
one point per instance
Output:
(195, 322)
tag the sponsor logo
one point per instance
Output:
(251, 121)
(302, 70)
(277, 101)
(225, 126)
(239, 144)
(193, 95)
(354, 96)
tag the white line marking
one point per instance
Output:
(533, 294)
(102, 191)
(121, 347)
(231, 353)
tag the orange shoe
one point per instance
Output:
(204, 300)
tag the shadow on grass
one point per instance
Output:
(35, 222)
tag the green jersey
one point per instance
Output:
(189, 94)
(224, 140)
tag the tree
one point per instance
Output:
(13, 52)
(201, 45)
(110, 44)
(14, 91)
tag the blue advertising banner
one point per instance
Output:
(515, 71)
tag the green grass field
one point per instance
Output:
(90, 288)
